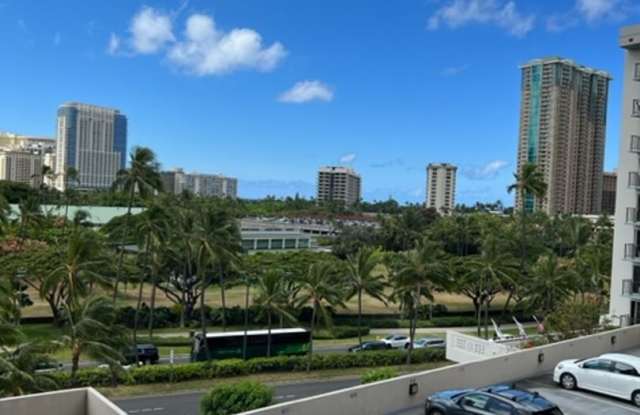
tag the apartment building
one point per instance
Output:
(441, 187)
(213, 185)
(609, 180)
(563, 115)
(22, 157)
(338, 184)
(625, 274)
(93, 140)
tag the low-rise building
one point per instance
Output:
(177, 181)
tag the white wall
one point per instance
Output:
(393, 395)
(66, 402)
(464, 348)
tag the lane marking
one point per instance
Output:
(588, 396)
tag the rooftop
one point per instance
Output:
(558, 59)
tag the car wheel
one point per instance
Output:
(388, 346)
(568, 381)
(406, 346)
(635, 398)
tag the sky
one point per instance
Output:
(269, 91)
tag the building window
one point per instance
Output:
(635, 111)
(262, 244)
(303, 243)
(276, 244)
(247, 244)
(636, 72)
(290, 244)
(635, 143)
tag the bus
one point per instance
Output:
(228, 345)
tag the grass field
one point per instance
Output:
(235, 296)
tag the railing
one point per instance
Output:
(634, 179)
(631, 252)
(632, 216)
(629, 287)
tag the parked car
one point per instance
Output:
(430, 343)
(369, 346)
(397, 341)
(499, 400)
(611, 374)
(147, 353)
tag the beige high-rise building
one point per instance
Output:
(338, 184)
(563, 116)
(21, 166)
(441, 187)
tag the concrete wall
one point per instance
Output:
(66, 402)
(393, 395)
(464, 348)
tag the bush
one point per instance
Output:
(227, 399)
(340, 332)
(376, 375)
(236, 367)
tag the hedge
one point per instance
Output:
(376, 375)
(228, 399)
(236, 367)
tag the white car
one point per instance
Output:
(397, 341)
(610, 374)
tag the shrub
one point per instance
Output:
(340, 332)
(227, 399)
(375, 375)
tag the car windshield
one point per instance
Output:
(390, 337)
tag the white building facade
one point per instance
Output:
(625, 273)
(217, 185)
(441, 187)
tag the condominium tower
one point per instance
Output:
(338, 184)
(624, 306)
(563, 114)
(441, 187)
(22, 157)
(93, 140)
(177, 181)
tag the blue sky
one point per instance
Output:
(268, 91)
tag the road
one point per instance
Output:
(188, 403)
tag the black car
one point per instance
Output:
(499, 400)
(369, 346)
(147, 353)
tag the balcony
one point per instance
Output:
(634, 180)
(631, 252)
(631, 289)
(633, 217)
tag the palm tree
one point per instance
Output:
(529, 185)
(320, 288)
(19, 368)
(420, 272)
(362, 279)
(270, 299)
(593, 267)
(71, 177)
(91, 331)
(550, 285)
(142, 177)
(493, 269)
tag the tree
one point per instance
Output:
(362, 279)
(418, 273)
(19, 368)
(530, 186)
(270, 298)
(549, 285)
(142, 177)
(92, 331)
(320, 288)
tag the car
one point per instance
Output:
(497, 399)
(397, 341)
(147, 353)
(430, 343)
(370, 346)
(612, 374)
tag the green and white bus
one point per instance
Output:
(228, 345)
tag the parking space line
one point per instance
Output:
(588, 396)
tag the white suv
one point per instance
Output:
(610, 374)
(396, 341)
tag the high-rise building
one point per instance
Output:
(441, 187)
(22, 157)
(177, 181)
(93, 140)
(563, 114)
(609, 193)
(338, 184)
(624, 305)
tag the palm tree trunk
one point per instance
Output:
(75, 361)
(203, 318)
(152, 304)
(486, 318)
(412, 326)
(360, 316)
(246, 321)
(223, 300)
(269, 333)
(136, 319)
(477, 305)
(124, 237)
(313, 319)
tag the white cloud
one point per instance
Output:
(596, 9)
(458, 13)
(454, 70)
(57, 39)
(592, 12)
(150, 31)
(306, 91)
(205, 50)
(114, 44)
(486, 171)
(348, 158)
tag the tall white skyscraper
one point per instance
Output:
(93, 140)
(441, 187)
(625, 274)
